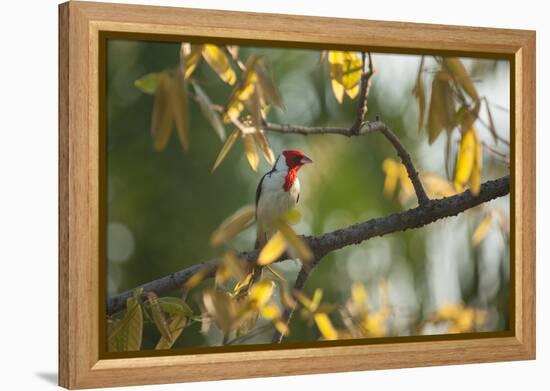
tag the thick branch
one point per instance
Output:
(354, 234)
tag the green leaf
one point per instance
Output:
(126, 334)
(176, 326)
(206, 107)
(158, 316)
(148, 83)
(174, 306)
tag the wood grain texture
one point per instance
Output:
(80, 365)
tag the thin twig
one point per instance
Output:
(365, 88)
(298, 286)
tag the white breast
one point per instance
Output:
(274, 202)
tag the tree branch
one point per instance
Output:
(331, 241)
(365, 87)
(366, 128)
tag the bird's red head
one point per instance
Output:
(295, 159)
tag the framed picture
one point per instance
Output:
(247, 195)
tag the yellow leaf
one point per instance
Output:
(216, 58)
(251, 151)
(449, 311)
(359, 295)
(222, 274)
(442, 106)
(225, 148)
(162, 118)
(179, 108)
(345, 70)
(263, 143)
(391, 169)
(254, 106)
(281, 326)
(482, 229)
(194, 280)
(313, 304)
(465, 160)
(325, 326)
(261, 292)
(234, 224)
(338, 90)
(190, 56)
(295, 242)
(271, 312)
(234, 265)
(475, 179)
(316, 300)
(436, 186)
(374, 324)
(244, 90)
(457, 70)
(293, 216)
(242, 284)
(221, 308)
(273, 249)
(176, 326)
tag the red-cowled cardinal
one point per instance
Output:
(277, 193)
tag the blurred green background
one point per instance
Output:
(163, 206)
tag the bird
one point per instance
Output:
(277, 193)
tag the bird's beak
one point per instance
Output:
(305, 160)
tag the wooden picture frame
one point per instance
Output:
(81, 25)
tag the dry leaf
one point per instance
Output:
(251, 151)
(225, 148)
(234, 224)
(273, 249)
(216, 58)
(482, 229)
(295, 242)
(179, 108)
(457, 70)
(162, 117)
(442, 106)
